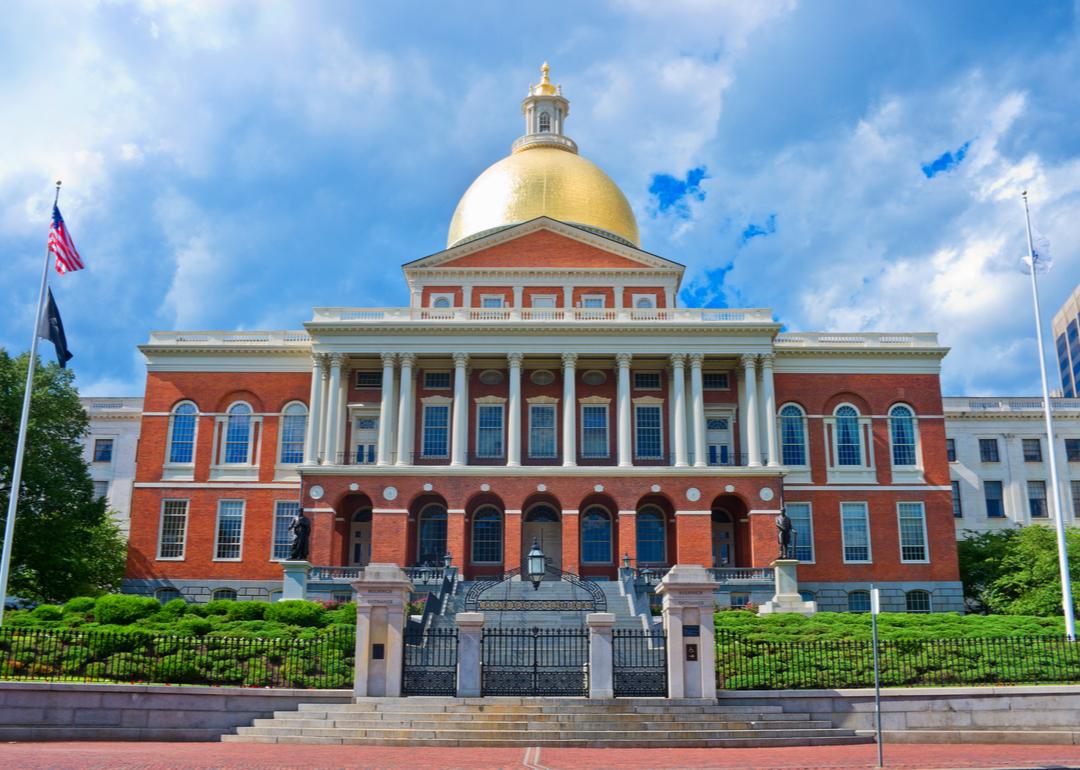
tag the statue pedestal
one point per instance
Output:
(294, 584)
(787, 598)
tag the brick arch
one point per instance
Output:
(846, 396)
(415, 507)
(738, 509)
(346, 507)
(671, 530)
(239, 395)
(474, 504)
(284, 402)
(483, 498)
(542, 497)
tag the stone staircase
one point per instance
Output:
(562, 722)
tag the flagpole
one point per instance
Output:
(1059, 513)
(20, 446)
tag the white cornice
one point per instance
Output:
(549, 471)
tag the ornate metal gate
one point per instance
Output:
(536, 661)
(639, 662)
(430, 662)
(592, 596)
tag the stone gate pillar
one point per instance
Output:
(382, 598)
(601, 665)
(688, 595)
(470, 629)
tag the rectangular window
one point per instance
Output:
(1037, 499)
(1032, 450)
(491, 301)
(437, 380)
(803, 527)
(436, 438)
(542, 430)
(1072, 450)
(647, 434)
(855, 531)
(593, 300)
(995, 502)
(646, 380)
(957, 508)
(489, 430)
(740, 600)
(173, 530)
(366, 380)
(912, 517)
(103, 450)
(988, 450)
(1074, 487)
(715, 381)
(284, 511)
(950, 449)
(594, 431)
(101, 489)
(543, 300)
(230, 530)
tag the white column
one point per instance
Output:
(569, 421)
(769, 395)
(320, 428)
(460, 441)
(416, 296)
(753, 447)
(466, 296)
(678, 396)
(622, 411)
(568, 297)
(386, 409)
(406, 410)
(333, 408)
(697, 401)
(513, 409)
(518, 296)
(315, 407)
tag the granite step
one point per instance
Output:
(591, 725)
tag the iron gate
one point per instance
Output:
(536, 661)
(639, 662)
(430, 664)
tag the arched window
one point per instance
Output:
(238, 434)
(545, 122)
(596, 536)
(166, 595)
(792, 435)
(644, 303)
(224, 594)
(542, 513)
(441, 302)
(431, 547)
(293, 428)
(651, 536)
(182, 433)
(917, 600)
(806, 596)
(848, 436)
(902, 435)
(858, 601)
(487, 536)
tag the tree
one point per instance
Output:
(980, 556)
(65, 542)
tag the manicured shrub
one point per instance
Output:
(218, 607)
(177, 669)
(342, 615)
(123, 609)
(194, 626)
(80, 604)
(172, 610)
(296, 613)
(47, 612)
(248, 610)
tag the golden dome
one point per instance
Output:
(543, 181)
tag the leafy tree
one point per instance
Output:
(981, 556)
(65, 542)
(1028, 580)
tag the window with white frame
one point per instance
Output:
(651, 531)
(224, 595)
(172, 532)
(1032, 450)
(545, 122)
(438, 380)
(957, 506)
(740, 599)
(230, 530)
(442, 300)
(646, 380)
(546, 301)
(101, 489)
(803, 525)
(293, 430)
(487, 536)
(644, 301)
(988, 450)
(718, 440)
(792, 435)
(491, 301)
(855, 532)
(849, 449)
(715, 381)
(435, 440)
(592, 301)
(995, 499)
(284, 512)
(858, 601)
(594, 430)
(368, 380)
(236, 449)
(166, 595)
(1037, 499)
(648, 433)
(917, 601)
(912, 519)
(103, 450)
(365, 439)
(950, 449)
(596, 536)
(902, 436)
(182, 433)
(489, 430)
(542, 430)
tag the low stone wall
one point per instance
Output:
(42, 711)
(1043, 714)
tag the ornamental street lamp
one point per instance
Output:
(537, 565)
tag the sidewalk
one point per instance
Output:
(230, 756)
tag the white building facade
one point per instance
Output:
(109, 448)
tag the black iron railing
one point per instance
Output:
(430, 662)
(535, 662)
(759, 665)
(639, 662)
(324, 661)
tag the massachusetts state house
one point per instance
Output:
(544, 385)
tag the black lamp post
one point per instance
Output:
(537, 564)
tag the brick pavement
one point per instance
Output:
(233, 756)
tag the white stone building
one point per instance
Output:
(999, 462)
(109, 449)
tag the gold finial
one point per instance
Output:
(544, 87)
(544, 70)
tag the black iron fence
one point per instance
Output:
(324, 661)
(760, 665)
(536, 661)
(639, 662)
(430, 662)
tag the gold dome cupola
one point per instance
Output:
(544, 176)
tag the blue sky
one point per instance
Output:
(230, 165)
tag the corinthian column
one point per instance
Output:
(678, 432)
(513, 407)
(460, 443)
(769, 396)
(622, 411)
(697, 398)
(753, 447)
(315, 409)
(406, 410)
(386, 409)
(569, 362)
(333, 409)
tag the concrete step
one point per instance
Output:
(637, 741)
(488, 718)
(591, 725)
(536, 735)
(457, 710)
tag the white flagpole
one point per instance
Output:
(1059, 513)
(20, 447)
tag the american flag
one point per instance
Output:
(60, 244)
